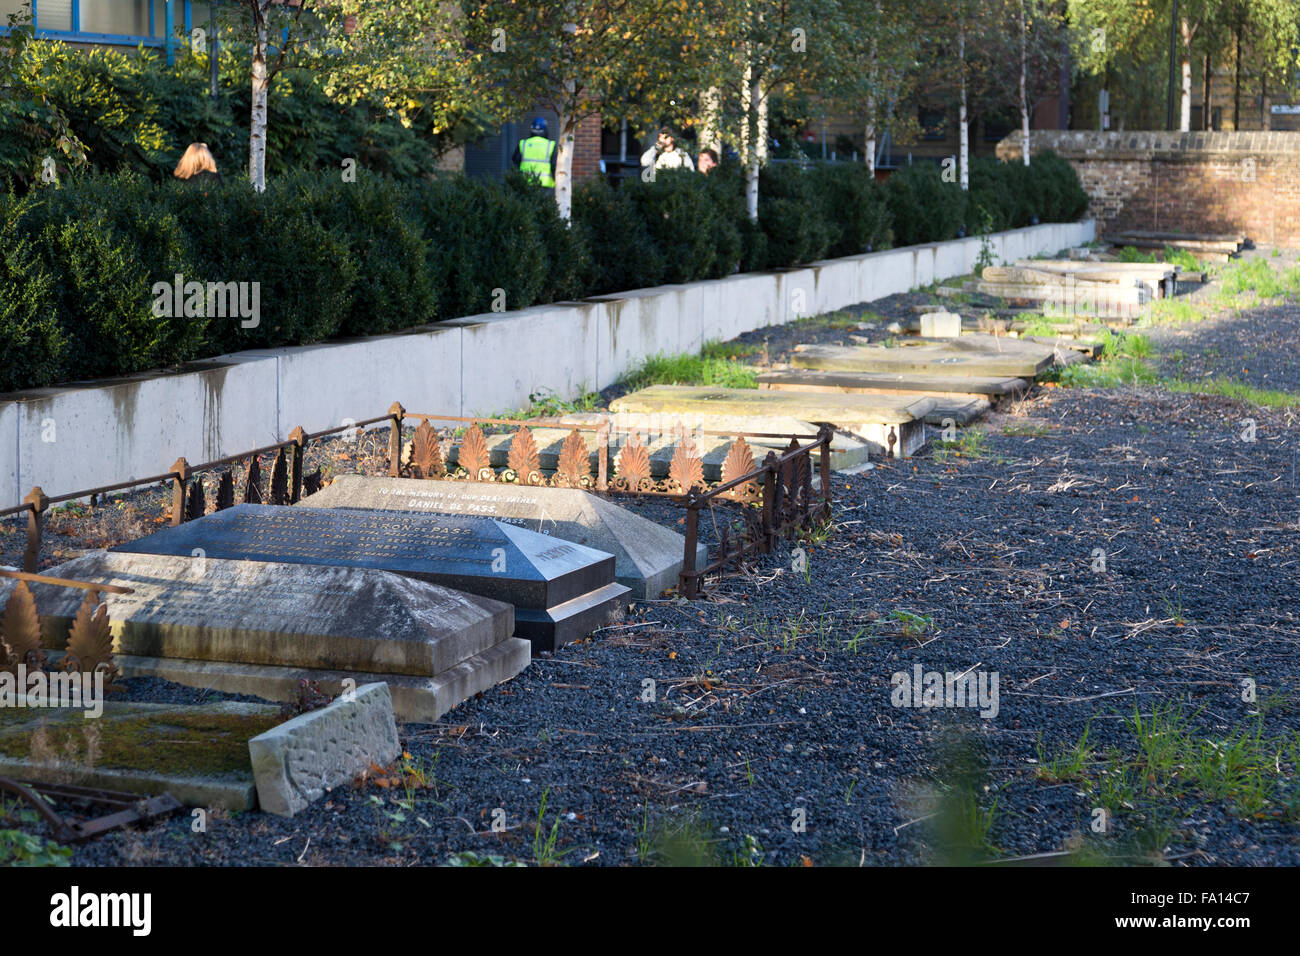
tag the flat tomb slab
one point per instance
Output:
(928, 359)
(658, 432)
(293, 615)
(417, 700)
(556, 587)
(935, 386)
(198, 754)
(647, 556)
(846, 410)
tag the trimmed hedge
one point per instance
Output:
(79, 262)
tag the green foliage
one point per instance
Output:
(482, 238)
(570, 267)
(31, 338)
(688, 369)
(130, 110)
(922, 207)
(81, 259)
(853, 207)
(624, 255)
(790, 213)
(25, 849)
(693, 233)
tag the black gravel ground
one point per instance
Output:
(712, 730)
(765, 704)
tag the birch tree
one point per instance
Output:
(575, 59)
(265, 15)
(881, 50)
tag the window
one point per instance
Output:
(126, 17)
(54, 14)
(934, 124)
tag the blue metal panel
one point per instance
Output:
(169, 29)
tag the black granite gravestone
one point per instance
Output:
(560, 590)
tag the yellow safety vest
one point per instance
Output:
(535, 159)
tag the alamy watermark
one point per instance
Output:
(922, 688)
(62, 689)
(212, 300)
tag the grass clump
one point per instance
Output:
(686, 369)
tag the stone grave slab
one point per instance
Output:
(924, 358)
(198, 754)
(300, 760)
(888, 383)
(192, 619)
(647, 556)
(560, 591)
(657, 431)
(892, 423)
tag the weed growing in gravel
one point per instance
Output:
(27, 849)
(961, 824)
(1069, 765)
(1253, 774)
(970, 445)
(470, 858)
(1240, 391)
(1175, 311)
(546, 404)
(544, 851)
(913, 625)
(1025, 430)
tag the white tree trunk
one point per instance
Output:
(753, 140)
(710, 133)
(1024, 83)
(1185, 114)
(869, 140)
(963, 160)
(564, 166)
(257, 126)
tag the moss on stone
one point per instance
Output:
(200, 744)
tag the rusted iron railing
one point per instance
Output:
(287, 486)
(787, 507)
(777, 494)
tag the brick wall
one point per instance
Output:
(1245, 182)
(586, 149)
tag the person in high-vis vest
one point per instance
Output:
(535, 156)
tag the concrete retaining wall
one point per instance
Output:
(81, 436)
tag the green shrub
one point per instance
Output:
(690, 231)
(1063, 197)
(791, 216)
(922, 207)
(624, 255)
(109, 240)
(483, 238)
(570, 269)
(32, 343)
(304, 268)
(393, 287)
(854, 208)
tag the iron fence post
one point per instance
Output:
(602, 458)
(36, 504)
(771, 491)
(396, 411)
(180, 475)
(688, 583)
(299, 438)
(824, 439)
